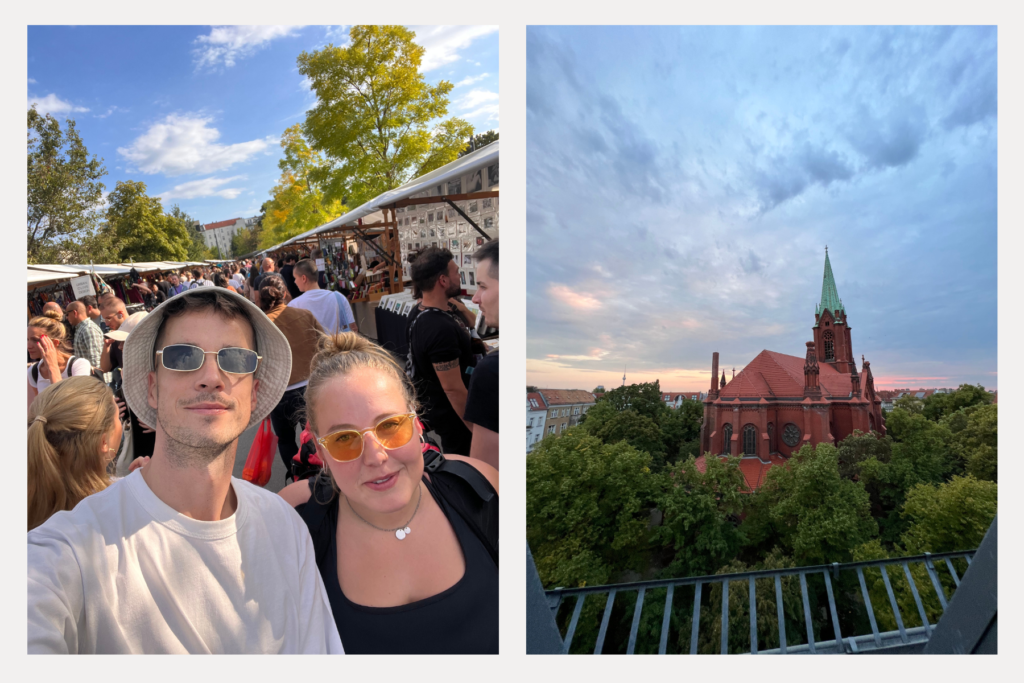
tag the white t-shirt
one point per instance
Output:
(81, 366)
(324, 305)
(125, 573)
(237, 281)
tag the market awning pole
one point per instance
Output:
(373, 246)
(453, 205)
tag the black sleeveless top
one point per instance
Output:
(460, 620)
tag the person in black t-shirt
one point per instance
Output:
(441, 357)
(482, 403)
(289, 277)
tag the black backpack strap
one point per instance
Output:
(469, 493)
(35, 372)
(317, 513)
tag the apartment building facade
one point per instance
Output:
(564, 408)
(536, 415)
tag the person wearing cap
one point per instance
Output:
(179, 556)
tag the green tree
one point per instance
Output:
(587, 508)
(638, 431)
(858, 447)
(815, 515)
(141, 230)
(951, 516)
(938, 406)
(197, 249)
(680, 429)
(974, 440)
(643, 399)
(64, 195)
(701, 512)
(297, 201)
(372, 120)
(480, 140)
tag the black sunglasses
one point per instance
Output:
(188, 358)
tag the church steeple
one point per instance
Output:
(832, 341)
(830, 300)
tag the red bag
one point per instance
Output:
(260, 462)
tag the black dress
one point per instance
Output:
(460, 620)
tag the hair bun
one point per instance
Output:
(344, 342)
(52, 314)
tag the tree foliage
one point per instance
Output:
(973, 440)
(141, 229)
(373, 116)
(587, 509)
(479, 140)
(643, 399)
(297, 201)
(938, 406)
(64, 194)
(700, 512)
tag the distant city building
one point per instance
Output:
(218, 235)
(674, 399)
(564, 408)
(778, 403)
(536, 416)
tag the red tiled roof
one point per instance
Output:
(220, 224)
(537, 397)
(562, 397)
(777, 374)
(754, 471)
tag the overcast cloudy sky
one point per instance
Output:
(197, 112)
(683, 182)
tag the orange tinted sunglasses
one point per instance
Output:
(392, 432)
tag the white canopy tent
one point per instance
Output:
(480, 159)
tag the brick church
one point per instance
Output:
(778, 403)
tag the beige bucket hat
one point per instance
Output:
(273, 370)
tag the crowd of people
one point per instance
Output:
(135, 418)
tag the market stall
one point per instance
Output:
(455, 206)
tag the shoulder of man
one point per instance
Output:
(267, 504)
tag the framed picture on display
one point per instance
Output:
(451, 230)
(472, 278)
(455, 186)
(440, 190)
(479, 241)
(489, 222)
(423, 220)
(430, 217)
(433, 232)
(433, 244)
(487, 203)
(476, 183)
(472, 207)
(463, 228)
(492, 175)
(423, 232)
(454, 245)
(467, 260)
(462, 276)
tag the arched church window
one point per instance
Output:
(791, 435)
(772, 448)
(829, 346)
(750, 440)
(871, 421)
(727, 439)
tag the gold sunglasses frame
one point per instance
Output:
(207, 353)
(362, 439)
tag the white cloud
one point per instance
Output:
(109, 112)
(470, 80)
(443, 43)
(477, 103)
(227, 44)
(204, 187)
(31, 80)
(182, 144)
(51, 104)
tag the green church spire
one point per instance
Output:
(829, 295)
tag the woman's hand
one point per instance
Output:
(121, 407)
(146, 429)
(51, 357)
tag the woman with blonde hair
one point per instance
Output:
(73, 434)
(406, 538)
(50, 348)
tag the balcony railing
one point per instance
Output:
(902, 637)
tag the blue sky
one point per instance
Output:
(682, 184)
(196, 112)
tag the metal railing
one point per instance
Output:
(852, 643)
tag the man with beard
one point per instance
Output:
(441, 358)
(178, 556)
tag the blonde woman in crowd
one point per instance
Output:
(406, 539)
(73, 434)
(50, 348)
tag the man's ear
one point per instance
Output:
(255, 390)
(151, 391)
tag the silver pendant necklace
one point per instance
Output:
(400, 532)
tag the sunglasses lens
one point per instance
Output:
(182, 357)
(394, 432)
(237, 361)
(345, 446)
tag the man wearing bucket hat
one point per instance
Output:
(178, 556)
